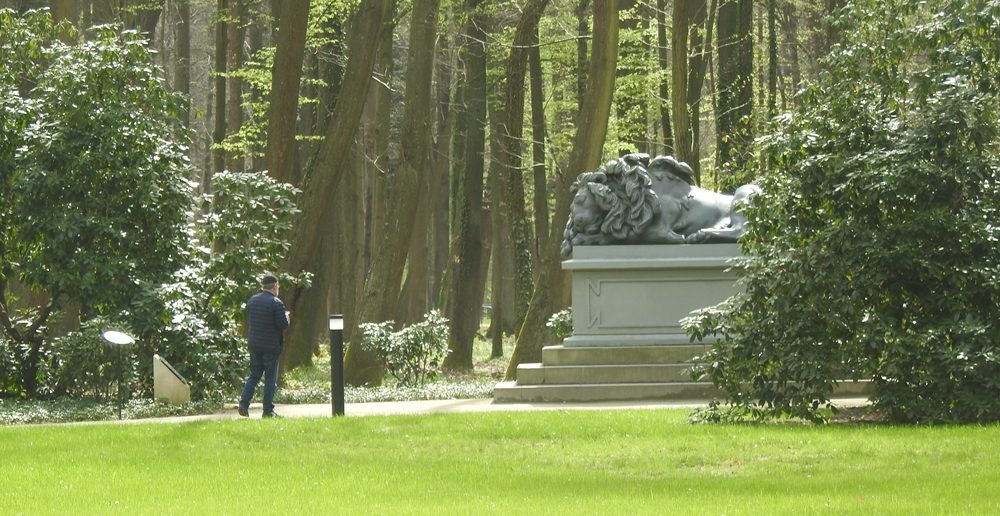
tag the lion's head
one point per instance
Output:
(616, 201)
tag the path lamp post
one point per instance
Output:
(119, 340)
(337, 363)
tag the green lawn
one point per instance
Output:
(573, 462)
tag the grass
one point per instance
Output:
(582, 462)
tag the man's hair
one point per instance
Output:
(268, 281)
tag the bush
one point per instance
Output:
(560, 325)
(872, 252)
(412, 355)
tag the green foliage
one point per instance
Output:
(82, 364)
(560, 325)
(95, 200)
(99, 145)
(66, 410)
(91, 131)
(873, 249)
(412, 355)
(191, 320)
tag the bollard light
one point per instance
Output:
(119, 340)
(337, 364)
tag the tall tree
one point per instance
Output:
(182, 61)
(538, 136)
(663, 58)
(735, 90)
(682, 14)
(219, 131)
(234, 83)
(588, 145)
(321, 184)
(509, 155)
(286, 76)
(382, 285)
(630, 102)
(772, 59)
(699, 40)
(467, 252)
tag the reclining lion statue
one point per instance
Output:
(636, 200)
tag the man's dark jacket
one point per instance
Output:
(266, 320)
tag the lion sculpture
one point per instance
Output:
(635, 200)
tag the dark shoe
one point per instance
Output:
(243, 412)
(271, 414)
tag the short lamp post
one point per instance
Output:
(119, 340)
(337, 363)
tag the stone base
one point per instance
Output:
(636, 295)
(628, 343)
(617, 373)
(622, 373)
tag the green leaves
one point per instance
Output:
(872, 252)
(412, 355)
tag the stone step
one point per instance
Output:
(702, 392)
(615, 355)
(511, 392)
(539, 374)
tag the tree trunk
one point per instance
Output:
(586, 155)
(663, 56)
(696, 79)
(339, 138)
(509, 156)
(441, 159)
(234, 96)
(383, 282)
(182, 63)
(772, 60)
(629, 103)
(219, 132)
(286, 76)
(679, 79)
(538, 137)
(735, 90)
(582, 35)
(790, 27)
(465, 298)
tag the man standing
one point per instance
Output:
(266, 320)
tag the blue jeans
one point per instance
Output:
(261, 363)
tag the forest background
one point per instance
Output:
(432, 144)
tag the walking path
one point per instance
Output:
(445, 407)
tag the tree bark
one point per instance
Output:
(286, 75)
(442, 160)
(382, 285)
(629, 103)
(509, 156)
(465, 298)
(696, 79)
(735, 90)
(234, 84)
(582, 34)
(586, 155)
(339, 138)
(219, 132)
(538, 137)
(663, 57)
(182, 63)
(772, 59)
(679, 79)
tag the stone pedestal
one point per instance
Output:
(636, 295)
(627, 341)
